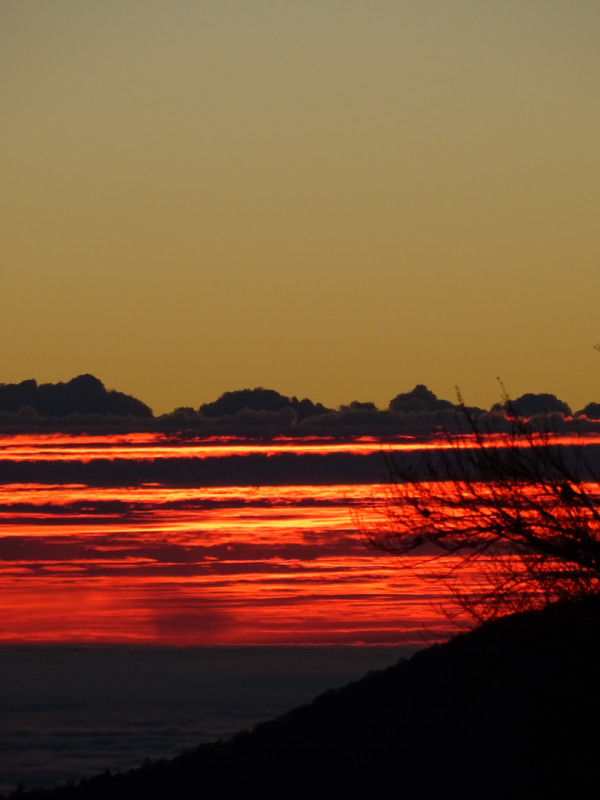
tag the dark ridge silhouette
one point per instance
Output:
(508, 710)
(82, 395)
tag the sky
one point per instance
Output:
(332, 199)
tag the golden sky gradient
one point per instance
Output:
(332, 199)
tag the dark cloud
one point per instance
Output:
(529, 405)
(260, 400)
(82, 395)
(355, 405)
(591, 411)
(84, 405)
(235, 470)
(418, 400)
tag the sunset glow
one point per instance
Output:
(229, 565)
(218, 564)
(151, 446)
(301, 352)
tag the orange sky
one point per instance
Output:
(332, 199)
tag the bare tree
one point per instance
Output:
(519, 507)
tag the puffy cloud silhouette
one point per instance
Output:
(529, 405)
(259, 399)
(82, 395)
(591, 411)
(418, 400)
(356, 406)
(84, 403)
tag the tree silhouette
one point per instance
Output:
(518, 507)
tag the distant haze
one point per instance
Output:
(338, 200)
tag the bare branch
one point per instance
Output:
(523, 507)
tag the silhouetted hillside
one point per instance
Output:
(509, 710)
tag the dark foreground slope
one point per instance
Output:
(511, 709)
